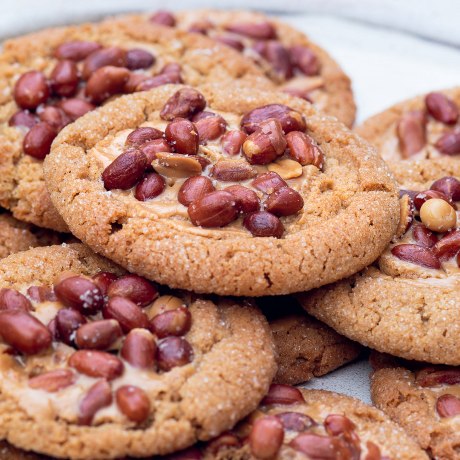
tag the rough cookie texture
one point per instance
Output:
(306, 347)
(381, 130)
(349, 214)
(232, 367)
(329, 89)
(22, 188)
(397, 307)
(396, 390)
(18, 236)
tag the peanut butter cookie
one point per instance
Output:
(306, 347)
(423, 400)
(18, 236)
(293, 424)
(228, 192)
(50, 78)
(419, 134)
(99, 364)
(287, 56)
(407, 303)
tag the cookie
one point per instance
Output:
(423, 400)
(294, 63)
(407, 303)
(306, 347)
(293, 424)
(97, 364)
(18, 236)
(50, 78)
(422, 132)
(262, 194)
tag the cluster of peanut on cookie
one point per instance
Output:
(85, 75)
(271, 428)
(412, 127)
(430, 225)
(259, 40)
(111, 322)
(271, 138)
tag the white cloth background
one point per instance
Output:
(392, 49)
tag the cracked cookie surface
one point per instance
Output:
(69, 392)
(330, 211)
(49, 96)
(288, 57)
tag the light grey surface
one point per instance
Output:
(352, 380)
(385, 65)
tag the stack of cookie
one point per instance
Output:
(204, 160)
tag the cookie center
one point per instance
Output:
(214, 169)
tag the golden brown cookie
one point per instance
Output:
(50, 78)
(225, 200)
(422, 132)
(423, 400)
(306, 347)
(407, 303)
(287, 56)
(96, 364)
(18, 236)
(292, 424)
